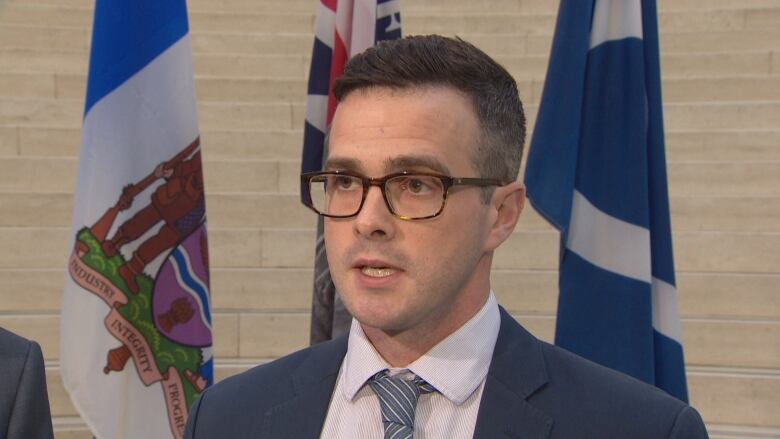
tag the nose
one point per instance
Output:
(375, 221)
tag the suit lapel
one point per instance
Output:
(516, 372)
(312, 384)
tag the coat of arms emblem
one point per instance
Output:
(162, 320)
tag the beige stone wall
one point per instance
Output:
(721, 68)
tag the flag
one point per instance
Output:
(343, 28)
(136, 326)
(596, 170)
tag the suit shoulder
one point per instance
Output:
(573, 370)
(236, 403)
(17, 352)
(272, 373)
(12, 344)
(586, 397)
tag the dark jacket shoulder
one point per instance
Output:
(13, 346)
(24, 401)
(536, 389)
(590, 400)
(240, 403)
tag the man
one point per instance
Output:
(418, 191)
(24, 401)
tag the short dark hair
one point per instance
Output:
(417, 61)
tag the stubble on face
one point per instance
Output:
(444, 273)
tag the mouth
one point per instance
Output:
(375, 268)
(378, 271)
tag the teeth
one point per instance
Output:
(377, 271)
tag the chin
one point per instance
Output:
(377, 315)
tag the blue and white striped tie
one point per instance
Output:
(398, 399)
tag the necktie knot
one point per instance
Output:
(398, 400)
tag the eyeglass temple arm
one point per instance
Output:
(477, 182)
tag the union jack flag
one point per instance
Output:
(343, 28)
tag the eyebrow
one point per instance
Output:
(399, 163)
(346, 163)
(408, 162)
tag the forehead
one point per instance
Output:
(382, 130)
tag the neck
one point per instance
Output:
(401, 348)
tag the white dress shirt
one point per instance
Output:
(456, 367)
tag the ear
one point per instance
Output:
(506, 205)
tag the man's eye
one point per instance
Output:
(344, 182)
(417, 186)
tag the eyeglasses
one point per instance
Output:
(408, 195)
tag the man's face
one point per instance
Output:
(396, 275)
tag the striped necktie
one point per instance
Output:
(398, 399)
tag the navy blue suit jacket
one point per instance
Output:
(24, 400)
(533, 390)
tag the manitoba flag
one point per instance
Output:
(596, 170)
(136, 325)
(343, 28)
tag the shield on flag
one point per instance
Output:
(180, 294)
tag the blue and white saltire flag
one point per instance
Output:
(596, 170)
(136, 345)
(344, 28)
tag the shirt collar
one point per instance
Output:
(456, 366)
